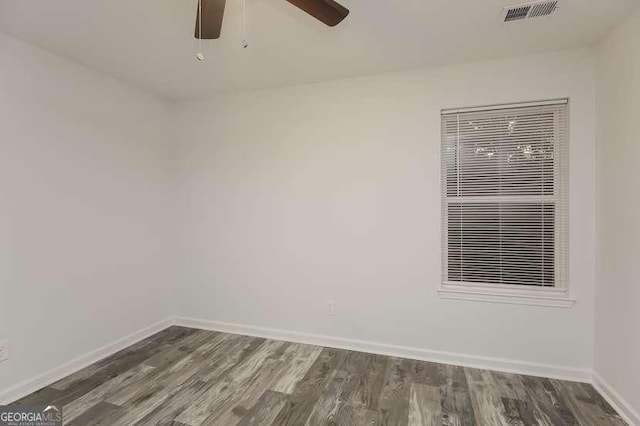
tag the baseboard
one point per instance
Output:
(473, 361)
(623, 408)
(31, 385)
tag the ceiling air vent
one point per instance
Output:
(530, 10)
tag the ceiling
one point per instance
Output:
(150, 42)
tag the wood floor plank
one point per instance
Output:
(47, 395)
(269, 373)
(359, 395)
(306, 355)
(428, 373)
(551, 408)
(265, 410)
(364, 417)
(180, 349)
(370, 378)
(102, 413)
(112, 366)
(80, 405)
(328, 407)
(354, 415)
(519, 412)
(599, 400)
(145, 348)
(217, 343)
(178, 401)
(222, 394)
(455, 398)
(424, 405)
(509, 385)
(83, 374)
(585, 408)
(141, 406)
(171, 369)
(157, 393)
(235, 351)
(157, 380)
(485, 398)
(308, 390)
(394, 397)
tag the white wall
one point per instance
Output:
(84, 172)
(294, 196)
(617, 341)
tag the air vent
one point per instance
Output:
(515, 13)
(530, 10)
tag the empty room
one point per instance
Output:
(319, 212)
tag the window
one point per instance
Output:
(505, 203)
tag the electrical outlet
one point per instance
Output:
(331, 308)
(4, 350)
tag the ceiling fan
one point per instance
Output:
(211, 12)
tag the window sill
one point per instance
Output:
(556, 298)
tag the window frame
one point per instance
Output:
(557, 296)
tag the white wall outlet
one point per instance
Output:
(331, 307)
(4, 350)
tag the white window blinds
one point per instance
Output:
(504, 195)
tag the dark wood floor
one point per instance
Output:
(184, 376)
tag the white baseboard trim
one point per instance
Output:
(612, 396)
(45, 379)
(473, 361)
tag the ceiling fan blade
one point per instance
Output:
(327, 11)
(212, 13)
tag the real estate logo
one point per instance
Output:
(30, 415)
